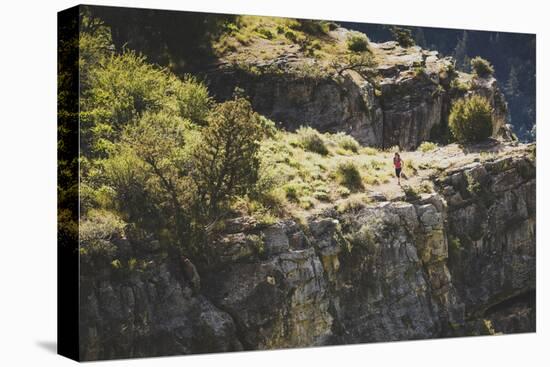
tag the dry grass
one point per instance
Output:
(306, 179)
(254, 39)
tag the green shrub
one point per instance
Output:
(474, 187)
(293, 191)
(332, 26)
(225, 162)
(265, 33)
(482, 67)
(309, 139)
(347, 142)
(455, 246)
(117, 90)
(193, 100)
(458, 88)
(409, 165)
(411, 193)
(315, 45)
(96, 234)
(370, 151)
(343, 191)
(403, 36)
(376, 164)
(427, 146)
(314, 27)
(306, 202)
(353, 203)
(348, 175)
(419, 71)
(364, 237)
(291, 36)
(357, 42)
(471, 119)
(426, 187)
(322, 196)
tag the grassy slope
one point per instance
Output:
(301, 182)
(254, 40)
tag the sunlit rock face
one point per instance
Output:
(457, 262)
(400, 102)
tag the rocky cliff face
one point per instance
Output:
(459, 261)
(400, 101)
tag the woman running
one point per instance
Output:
(397, 164)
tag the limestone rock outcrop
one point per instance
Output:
(459, 261)
(400, 101)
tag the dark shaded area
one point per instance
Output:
(528, 298)
(67, 177)
(512, 54)
(513, 314)
(178, 39)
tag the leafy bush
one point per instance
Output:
(471, 119)
(314, 27)
(119, 89)
(96, 233)
(294, 190)
(419, 71)
(193, 99)
(321, 191)
(347, 142)
(357, 42)
(306, 202)
(147, 172)
(427, 146)
(411, 193)
(309, 139)
(426, 187)
(474, 187)
(482, 67)
(370, 151)
(343, 191)
(225, 162)
(364, 237)
(332, 26)
(457, 88)
(348, 175)
(265, 33)
(455, 246)
(291, 36)
(353, 204)
(403, 36)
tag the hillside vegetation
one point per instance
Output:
(253, 204)
(161, 158)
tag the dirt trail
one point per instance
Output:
(421, 167)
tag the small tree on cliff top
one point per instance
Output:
(482, 67)
(403, 36)
(471, 120)
(225, 163)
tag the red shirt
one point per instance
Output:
(397, 162)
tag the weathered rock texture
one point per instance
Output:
(400, 102)
(457, 262)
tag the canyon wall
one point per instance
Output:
(459, 261)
